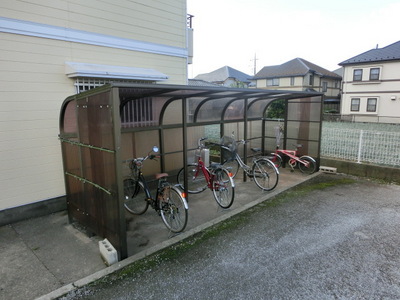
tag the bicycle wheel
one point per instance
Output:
(276, 159)
(196, 180)
(265, 174)
(232, 166)
(223, 188)
(310, 164)
(135, 197)
(173, 209)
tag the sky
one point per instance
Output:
(234, 32)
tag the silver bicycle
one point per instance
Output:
(262, 171)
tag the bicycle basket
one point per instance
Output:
(229, 143)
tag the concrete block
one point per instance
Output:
(108, 252)
(327, 169)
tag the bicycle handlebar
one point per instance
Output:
(139, 160)
(200, 140)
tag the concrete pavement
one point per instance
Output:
(335, 238)
(46, 257)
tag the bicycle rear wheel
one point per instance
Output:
(276, 159)
(223, 188)
(265, 174)
(310, 165)
(232, 166)
(135, 197)
(173, 209)
(195, 177)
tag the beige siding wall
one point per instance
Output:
(33, 86)
(284, 84)
(159, 21)
(301, 83)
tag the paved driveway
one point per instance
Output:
(334, 238)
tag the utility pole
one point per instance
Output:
(255, 63)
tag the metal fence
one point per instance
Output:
(378, 147)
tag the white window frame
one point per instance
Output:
(86, 84)
(375, 106)
(374, 75)
(357, 77)
(353, 104)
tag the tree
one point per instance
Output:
(276, 109)
(238, 84)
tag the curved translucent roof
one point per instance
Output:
(203, 104)
(102, 129)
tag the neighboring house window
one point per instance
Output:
(355, 104)
(311, 80)
(371, 104)
(273, 82)
(336, 84)
(374, 74)
(291, 80)
(357, 75)
(324, 86)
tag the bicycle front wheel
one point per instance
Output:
(265, 174)
(135, 197)
(232, 166)
(223, 188)
(307, 164)
(195, 177)
(173, 209)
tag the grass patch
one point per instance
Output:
(318, 183)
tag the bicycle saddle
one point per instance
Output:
(161, 175)
(214, 165)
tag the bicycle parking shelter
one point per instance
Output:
(101, 128)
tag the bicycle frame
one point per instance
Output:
(242, 164)
(207, 173)
(245, 167)
(149, 197)
(292, 154)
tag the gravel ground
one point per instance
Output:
(336, 237)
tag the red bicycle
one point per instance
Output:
(307, 164)
(215, 177)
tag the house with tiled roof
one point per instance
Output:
(300, 75)
(226, 76)
(371, 83)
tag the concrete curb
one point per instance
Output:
(165, 244)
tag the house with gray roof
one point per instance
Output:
(226, 76)
(300, 75)
(371, 81)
